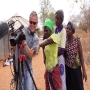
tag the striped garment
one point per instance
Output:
(52, 79)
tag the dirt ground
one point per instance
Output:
(39, 69)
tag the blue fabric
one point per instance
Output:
(26, 82)
(32, 41)
(61, 49)
(61, 69)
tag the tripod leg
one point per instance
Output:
(15, 76)
(19, 81)
(14, 67)
(16, 82)
(30, 73)
(22, 69)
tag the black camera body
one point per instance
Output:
(15, 33)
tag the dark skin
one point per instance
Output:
(58, 22)
(69, 40)
(48, 40)
(47, 34)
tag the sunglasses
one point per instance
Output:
(34, 23)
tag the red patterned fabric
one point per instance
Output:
(71, 51)
(55, 82)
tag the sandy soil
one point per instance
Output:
(39, 69)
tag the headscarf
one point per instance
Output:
(49, 23)
(72, 26)
(61, 13)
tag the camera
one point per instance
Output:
(15, 33)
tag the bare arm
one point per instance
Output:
(29, 51)
(60, 52)
(82, 60)
(46, 42)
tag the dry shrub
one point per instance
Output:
(85, 41)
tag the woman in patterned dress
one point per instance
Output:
(74, 61)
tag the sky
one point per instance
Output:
(23, 7)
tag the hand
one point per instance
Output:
(22, 37)
(36, 49)
(85, 75)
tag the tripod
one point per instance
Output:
(20, 74)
